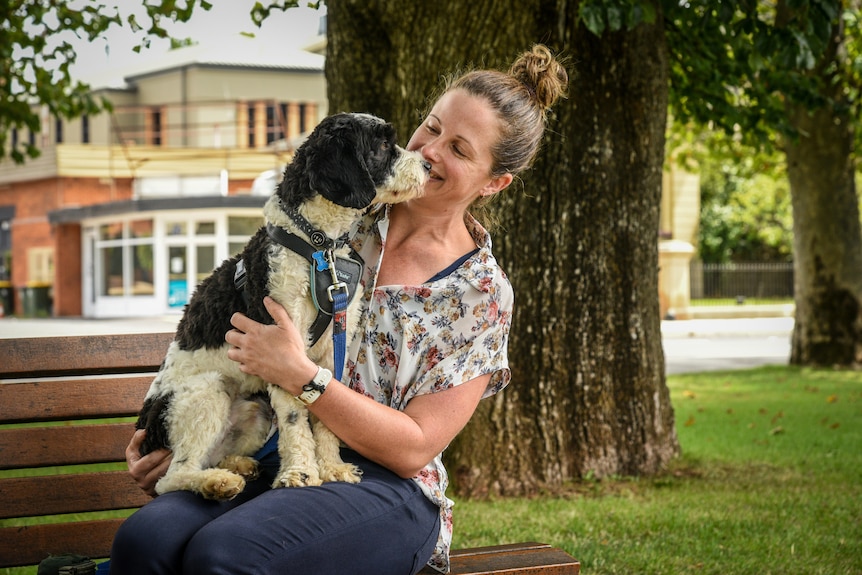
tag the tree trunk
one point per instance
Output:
(579, 240)
(827, 240)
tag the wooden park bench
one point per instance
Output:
(72, 401)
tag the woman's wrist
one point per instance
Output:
(295, 381)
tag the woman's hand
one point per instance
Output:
(148, 469)
(275, 353)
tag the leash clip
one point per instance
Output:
(336, 283)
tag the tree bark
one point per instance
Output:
(827, 239)
(579, 238)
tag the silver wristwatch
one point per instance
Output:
(315, 388)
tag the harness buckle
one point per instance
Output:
(336, 283)
(338, 286)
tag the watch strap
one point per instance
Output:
(315, 388)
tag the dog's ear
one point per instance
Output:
(336, 166)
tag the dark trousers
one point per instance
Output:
(382, 525)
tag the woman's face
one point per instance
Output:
(456, 138)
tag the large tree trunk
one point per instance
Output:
(579, 242)
(827, 240)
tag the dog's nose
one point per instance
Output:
(427, 166)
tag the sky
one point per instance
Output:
(107, 60)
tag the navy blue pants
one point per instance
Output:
(382, 525)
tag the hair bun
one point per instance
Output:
(542, 74)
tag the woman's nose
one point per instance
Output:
(429, 151)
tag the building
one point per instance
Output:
(125, 212)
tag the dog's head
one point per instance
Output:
(353, 160)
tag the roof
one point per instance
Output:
(234, 52)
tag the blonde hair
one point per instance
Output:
(521, 98)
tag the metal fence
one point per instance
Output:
(741, 281)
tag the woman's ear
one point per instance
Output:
(497, 184)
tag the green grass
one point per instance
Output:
(770, 481)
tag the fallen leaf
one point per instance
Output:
(832, 398)
(688, 394)
(689, 422)
(776, 430)
(835, 425)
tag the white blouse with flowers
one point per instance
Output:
(421, 339)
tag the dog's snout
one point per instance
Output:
(426, 165)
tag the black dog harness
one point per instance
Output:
(334, 279)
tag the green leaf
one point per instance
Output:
(593, 18)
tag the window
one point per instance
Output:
(58, 131)
(272, 131)
(282, 110)
(40, 265)
(124, 255)
(156, 126)
(303, 128)
(85, 129)
(251, 143)
(239, 230)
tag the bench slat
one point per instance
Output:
(29, 545)
(21, 448)
(58, 494)
(529, 558)
(95, 354)
(92, 378)
(72, 399)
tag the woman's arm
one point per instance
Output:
(403, 441)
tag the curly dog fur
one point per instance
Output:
(200, 405)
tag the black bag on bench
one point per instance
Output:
(67, 565)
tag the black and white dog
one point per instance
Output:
(200, 405)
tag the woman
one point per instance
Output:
(431, 344)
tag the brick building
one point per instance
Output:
(124, 213)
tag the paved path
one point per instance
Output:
(710, 345)
(689, 345)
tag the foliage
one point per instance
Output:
(36, 55)
(746, 213)
(769, 455)
(733, 62)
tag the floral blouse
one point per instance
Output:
(419, 339)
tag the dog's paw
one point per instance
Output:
(241, 465)
(222, 485)
(346, 472)
(297, 478)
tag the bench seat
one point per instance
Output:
(67, 411)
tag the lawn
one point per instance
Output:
(769, 481)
